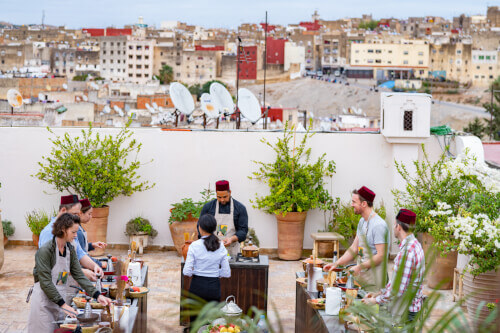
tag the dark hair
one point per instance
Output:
(86, 209)
(64, 222)
(208, 223)
(369, 203)
(68, 206)
(406, 227)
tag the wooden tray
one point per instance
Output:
(81, 305)
(318, 306)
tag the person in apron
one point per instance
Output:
(370, 243)
(410, 263)
(231, 217)
(206, 262)
(86, 217)
(54, 262)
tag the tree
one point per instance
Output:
(166, 74)
(206, 86)
(370, 25)
(493, 127)
(195, 89)
(476, 128)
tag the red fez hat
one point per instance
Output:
(406, 216)
(69, 199)
(222, 185)
(366, 193)
(85, 203)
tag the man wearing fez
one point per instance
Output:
(231, 216)
(70, 204)
(370, 243)
(411, 260)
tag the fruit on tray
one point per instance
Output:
(229, 328)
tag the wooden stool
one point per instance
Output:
(457, 276)
(326, 237)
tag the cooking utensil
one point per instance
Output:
(250, 250)
(231, 309)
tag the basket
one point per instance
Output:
(80, 303)
(313, 303)
(302, 281)
(135, 294)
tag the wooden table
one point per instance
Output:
(311, 320)
(248, 283)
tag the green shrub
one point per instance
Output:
(37, 220)
(181, 211)
(94, 166)
(8, 228)
(138, 225)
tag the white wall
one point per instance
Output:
(185, 163)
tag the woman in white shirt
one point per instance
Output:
(207, 262)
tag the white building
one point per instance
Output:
(113, 58)
(140, 60)
(294, 54)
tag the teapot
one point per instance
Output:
(230, 309)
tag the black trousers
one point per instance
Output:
(207, 288)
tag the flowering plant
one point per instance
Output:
(446, 189)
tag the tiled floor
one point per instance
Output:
(164, 281)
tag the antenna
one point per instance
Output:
(14, 98)
(182, 99)
(222, 98)
(119, 110)
(249, 106)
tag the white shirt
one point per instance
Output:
(201, 262)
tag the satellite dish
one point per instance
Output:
(364, 114)
(14, 97)
(106, 109)
(94, 85)
(344, 111)
(150, 109)
(85, 98)
(181, 97)
(148, 106)
(78, 99)
(208, 106)
(65, 86)
(41, 97)
(119, 110)
(155, 106)
(127, 107)
(249, 105)
(222, 98)
(357, 111)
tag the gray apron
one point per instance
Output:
(371, 279)
(226, 229)
(43, 312)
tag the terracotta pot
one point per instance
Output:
(185, 248)
(484, 287)
(177, 230)
(35, 239)
(291, 235)
(442, 269)
(97, 228)
(5, 240)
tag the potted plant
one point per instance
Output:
(139, 230)
(36, 221)
(97, 167)
(296, 186)
(8, 230)
(184, 218)
(439, 191)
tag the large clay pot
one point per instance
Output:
(97, 228)
(5, 240)
(177, 230)
(1, 244)
(36, 239)
(185, 248)
(484, 287)
(441, 272)
(291, 235)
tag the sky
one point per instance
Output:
(222, 13)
